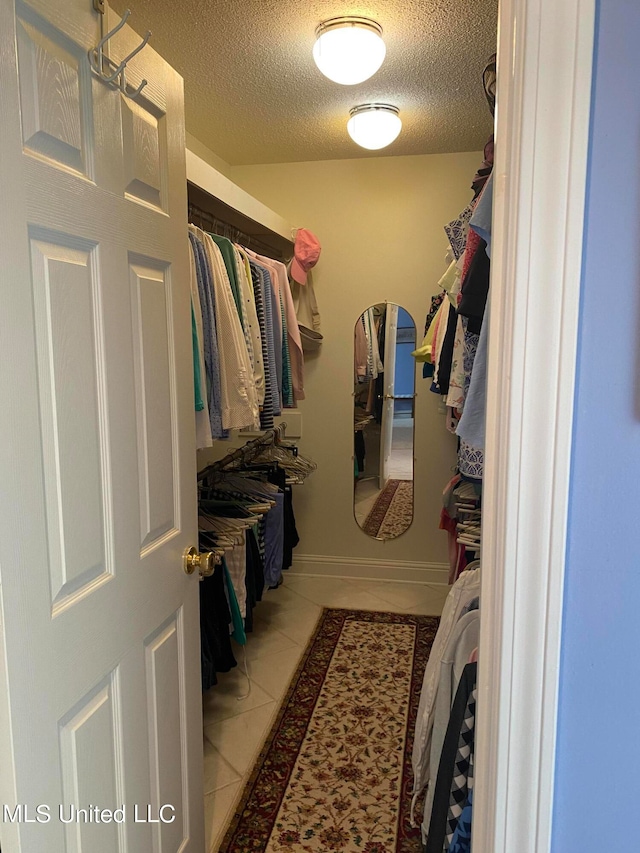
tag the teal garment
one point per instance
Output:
(237, 621)
(287, 386)
(229, 258)
(197, 376)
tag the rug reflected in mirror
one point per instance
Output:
(392, 513)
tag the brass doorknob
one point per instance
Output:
(205, 562)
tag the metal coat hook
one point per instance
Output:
(115, 73)
(144, 41)
(97, 57)
(127, 90)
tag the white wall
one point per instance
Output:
(380, 225)
(208, 155)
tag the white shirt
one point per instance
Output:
(463, 640)
(253, 326)
(239, 397)
(466, 588)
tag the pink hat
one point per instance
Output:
(305, 255)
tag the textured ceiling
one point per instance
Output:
(254, 95)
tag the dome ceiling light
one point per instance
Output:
(349, 50)
(374, 126)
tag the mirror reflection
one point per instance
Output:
(384, 397)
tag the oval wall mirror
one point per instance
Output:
(384, 398)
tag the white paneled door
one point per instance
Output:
(389, 386)
(100, 666)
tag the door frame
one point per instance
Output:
(545, 67)
(545, 59)
(388, 390)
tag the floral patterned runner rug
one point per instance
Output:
(335, 772)
(392, 513)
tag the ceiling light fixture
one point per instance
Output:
(374, 126)
(349, 50)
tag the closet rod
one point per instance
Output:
(246, 452)
(211, 223)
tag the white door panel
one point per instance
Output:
(155, 401)
(386, 428)
(97, 464)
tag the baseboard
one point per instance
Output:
(363, 568)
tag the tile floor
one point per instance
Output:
(401, 461)
(236, 724)
(366, 495)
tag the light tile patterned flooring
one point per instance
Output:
(235, 727)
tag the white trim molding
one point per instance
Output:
(545, 51)
(365, 568)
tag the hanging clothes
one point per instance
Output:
(228, 256)
(236, 562)
(462, 782)
(247, 347)
(274, 543)
(461, 710)
(461, 643)
(291, 539)
(210, 333)
(461, 841)
(482, 216)
(288, 399)
(450, 281)
(375, 402)
(367, 361)
(456, 394)
(439, 325)
(449, 522)
(472, 423)
(462, 592)
(278, 331)
(203, 422)
(361, 349)
(475, 287)
(215, 617)
(239, 397)
(254, 575)
(198, 391)
(443, 749)
(471, 427)
(454, 338)
(237, 620)
(252, 328)
(307, 311)
(424, 353)
(246, 519)
(282, 288)
(442, 375)
(457, 230)
(263, 295)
